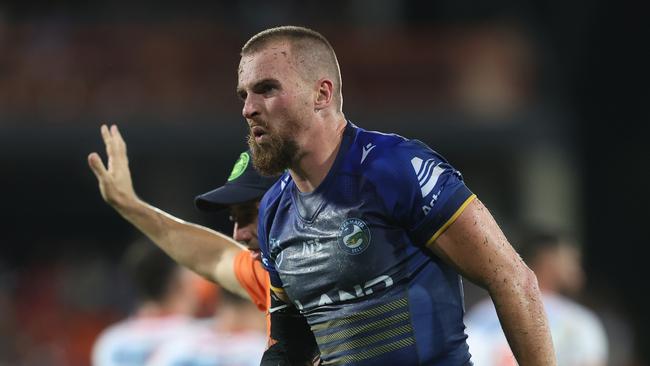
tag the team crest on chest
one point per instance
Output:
(354, 236)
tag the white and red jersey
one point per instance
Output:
(207, 346)
(578, 335)
(132, 341)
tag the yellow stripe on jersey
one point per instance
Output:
(368, 340)
(451, 219)
(374, 352)
(277, 290)
(363, 335)
(363, 329)
(372, 312)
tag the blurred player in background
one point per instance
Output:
(578, 335)
(166, 301)
(235, 337)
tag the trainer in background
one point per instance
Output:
(578, 335)
(166, 301)
(211, 254)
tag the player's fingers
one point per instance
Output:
(117, 137)
(119, 159)
(106, 134)
(108, 141)
(96, 165)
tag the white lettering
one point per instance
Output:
(346, 296)
(383, 278)
(358, 290)
(324, 300)
(434, 199)
(311, 246)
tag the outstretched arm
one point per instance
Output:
(204, 251)
(476, 247)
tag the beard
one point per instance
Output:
(275, 155)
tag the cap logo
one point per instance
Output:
(240, 166)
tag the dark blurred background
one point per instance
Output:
(540, 104)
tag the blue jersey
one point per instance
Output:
(352, 255)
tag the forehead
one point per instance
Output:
(274, 61)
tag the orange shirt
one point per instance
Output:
(255, 280)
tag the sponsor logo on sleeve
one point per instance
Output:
(428, 173)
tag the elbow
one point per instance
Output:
(517, 280)
(529, 280)
(525, 283)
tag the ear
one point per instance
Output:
(324, 94)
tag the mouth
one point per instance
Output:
(258, 133)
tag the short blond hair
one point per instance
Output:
(312, 49)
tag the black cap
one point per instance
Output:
(244, 184)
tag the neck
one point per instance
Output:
(318, 154)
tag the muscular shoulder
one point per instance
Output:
(416, 185)
(382, 157)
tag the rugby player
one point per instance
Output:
(366, 233)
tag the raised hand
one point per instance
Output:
(115, 182)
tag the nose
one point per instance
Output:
(250, 107)
(242, 233)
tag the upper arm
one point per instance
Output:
(238, 271)
(253, 278)
(475, 245)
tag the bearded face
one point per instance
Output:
(275, 153)
(277, 102)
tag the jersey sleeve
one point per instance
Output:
(253, 278)
(421, 191)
